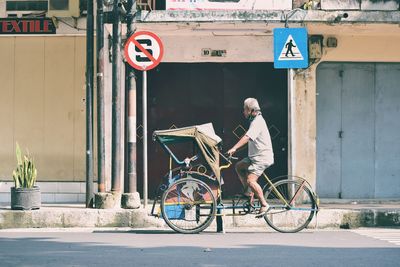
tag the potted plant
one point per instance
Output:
(25, 195)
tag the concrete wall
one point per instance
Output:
(359, 5)
(356, 43)
(42, 104)
(243, 42)
(43, 85)
(3, 9)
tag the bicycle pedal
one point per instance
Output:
(253, 211)
(259, 216)
(250, 206)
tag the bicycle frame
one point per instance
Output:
(234, 207)
(270, 183)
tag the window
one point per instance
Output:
(58, 4)
(26, 5)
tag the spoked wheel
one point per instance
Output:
(292, 206)
(188, 206)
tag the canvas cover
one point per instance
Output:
(205, 137)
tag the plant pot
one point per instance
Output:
(25, 198)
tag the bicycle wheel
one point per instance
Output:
(188, 206)
(292, 206)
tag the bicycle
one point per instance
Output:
(190, 198)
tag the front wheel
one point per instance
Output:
(188, 206)
(292, 205)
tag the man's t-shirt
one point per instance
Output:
(260, 147)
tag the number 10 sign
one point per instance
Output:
(144, 50)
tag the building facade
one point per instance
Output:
(333, 122)
(43, 96)
(340, 129)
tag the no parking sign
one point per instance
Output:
(144, 50)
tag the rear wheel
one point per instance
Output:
(188, 206)
(292, 206)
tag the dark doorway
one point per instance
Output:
(182, 95)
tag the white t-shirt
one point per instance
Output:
(260, 146)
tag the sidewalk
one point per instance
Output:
(333, 214)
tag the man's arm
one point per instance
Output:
(244, 140)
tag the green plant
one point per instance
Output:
(25, 174)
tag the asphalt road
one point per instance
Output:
(85, 247)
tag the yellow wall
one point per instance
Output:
(42, 104)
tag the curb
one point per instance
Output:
(63, 218)
(139, 218)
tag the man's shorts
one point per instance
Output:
(256, 167)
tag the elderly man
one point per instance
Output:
(260, 153)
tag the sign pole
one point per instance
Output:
(291, 52)
(144, 51)
(144, 105)
(292, 119)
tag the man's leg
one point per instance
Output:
(242, 170)
(252, 182)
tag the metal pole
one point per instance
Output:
(89, 104)
(116, 103)
(144, 104)
(100, 97)
(130, 121)
(291, 121)
(130, 115)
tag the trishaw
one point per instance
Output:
(190, 195)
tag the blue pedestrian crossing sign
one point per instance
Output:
(290, 48)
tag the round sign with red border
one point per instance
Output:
(144, 50)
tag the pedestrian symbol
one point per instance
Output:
(290, 51)
(290, 48)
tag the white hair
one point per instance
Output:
(251, 104)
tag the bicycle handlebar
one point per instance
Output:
(228, 157)
(225, 156)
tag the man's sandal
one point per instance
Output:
(262, 212)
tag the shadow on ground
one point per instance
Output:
(124, 250)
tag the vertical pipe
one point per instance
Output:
(116, 103)
(89, 104)
(144, 104)
(100, 97)
(131, 175)
(130, 117)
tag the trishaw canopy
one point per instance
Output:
(205, 137)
